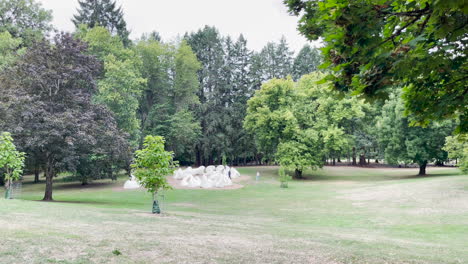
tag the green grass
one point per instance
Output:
(337, 215)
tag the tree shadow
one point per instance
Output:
(77, 202)
(374, 178)
(77, 185)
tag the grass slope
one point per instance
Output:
(339, 215)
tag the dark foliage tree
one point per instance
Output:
(47, 97)
(103, 13)
(25, 19)
(374, 46)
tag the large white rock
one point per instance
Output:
(178, 174)
(208, 177)
(234, 173)
(205, 182)
(194, 182)
(132, 183)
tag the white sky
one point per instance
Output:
(259, 20)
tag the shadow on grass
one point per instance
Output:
(373, 178)
(77, 202)
(77, 185)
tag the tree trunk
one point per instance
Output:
(422, 168)
(298, 174)
(49, 178)
(334, 162)
(36, 175)
(197, 156)
(354, 156)
(339, 160)
(362, 160)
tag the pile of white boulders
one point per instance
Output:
(209, 177)
(132, 183)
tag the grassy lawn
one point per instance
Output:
(338, 215)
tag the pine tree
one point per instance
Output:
(103, 13)
(307, 60)
(208, 46)
(276, 60)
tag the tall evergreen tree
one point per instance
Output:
(208, 46)
(102, 13)
(275, 60)
(307, 60)
(238, 62)
(169, 98)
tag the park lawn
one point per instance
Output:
(338, 215)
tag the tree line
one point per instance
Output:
(83, 102)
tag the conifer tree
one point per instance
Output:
(307, 60)
(103, 13)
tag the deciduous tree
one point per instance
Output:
(152, 164)
(25, 20)
(374, 46)
(402, 142)
(48, 95)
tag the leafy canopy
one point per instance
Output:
(25, 19)
(404, 143)
(11, 159)
(152, 164)
(300, 123)
(372, 46)
(457, 148)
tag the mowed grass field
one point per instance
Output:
(338, 215)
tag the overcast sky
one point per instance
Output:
(259, 20)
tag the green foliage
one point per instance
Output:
(152, 164)
(103, 13)
(9, 49)
(457, 148)
(402, 142)
(269, 115)
(11, 160)
(283, 177)
(300, 123)
(169, 97)
(122, 83)
(307, 60)
(25, 20)
(276, 60)
(373, 46)
(52, 109)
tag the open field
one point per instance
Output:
(339, 215)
